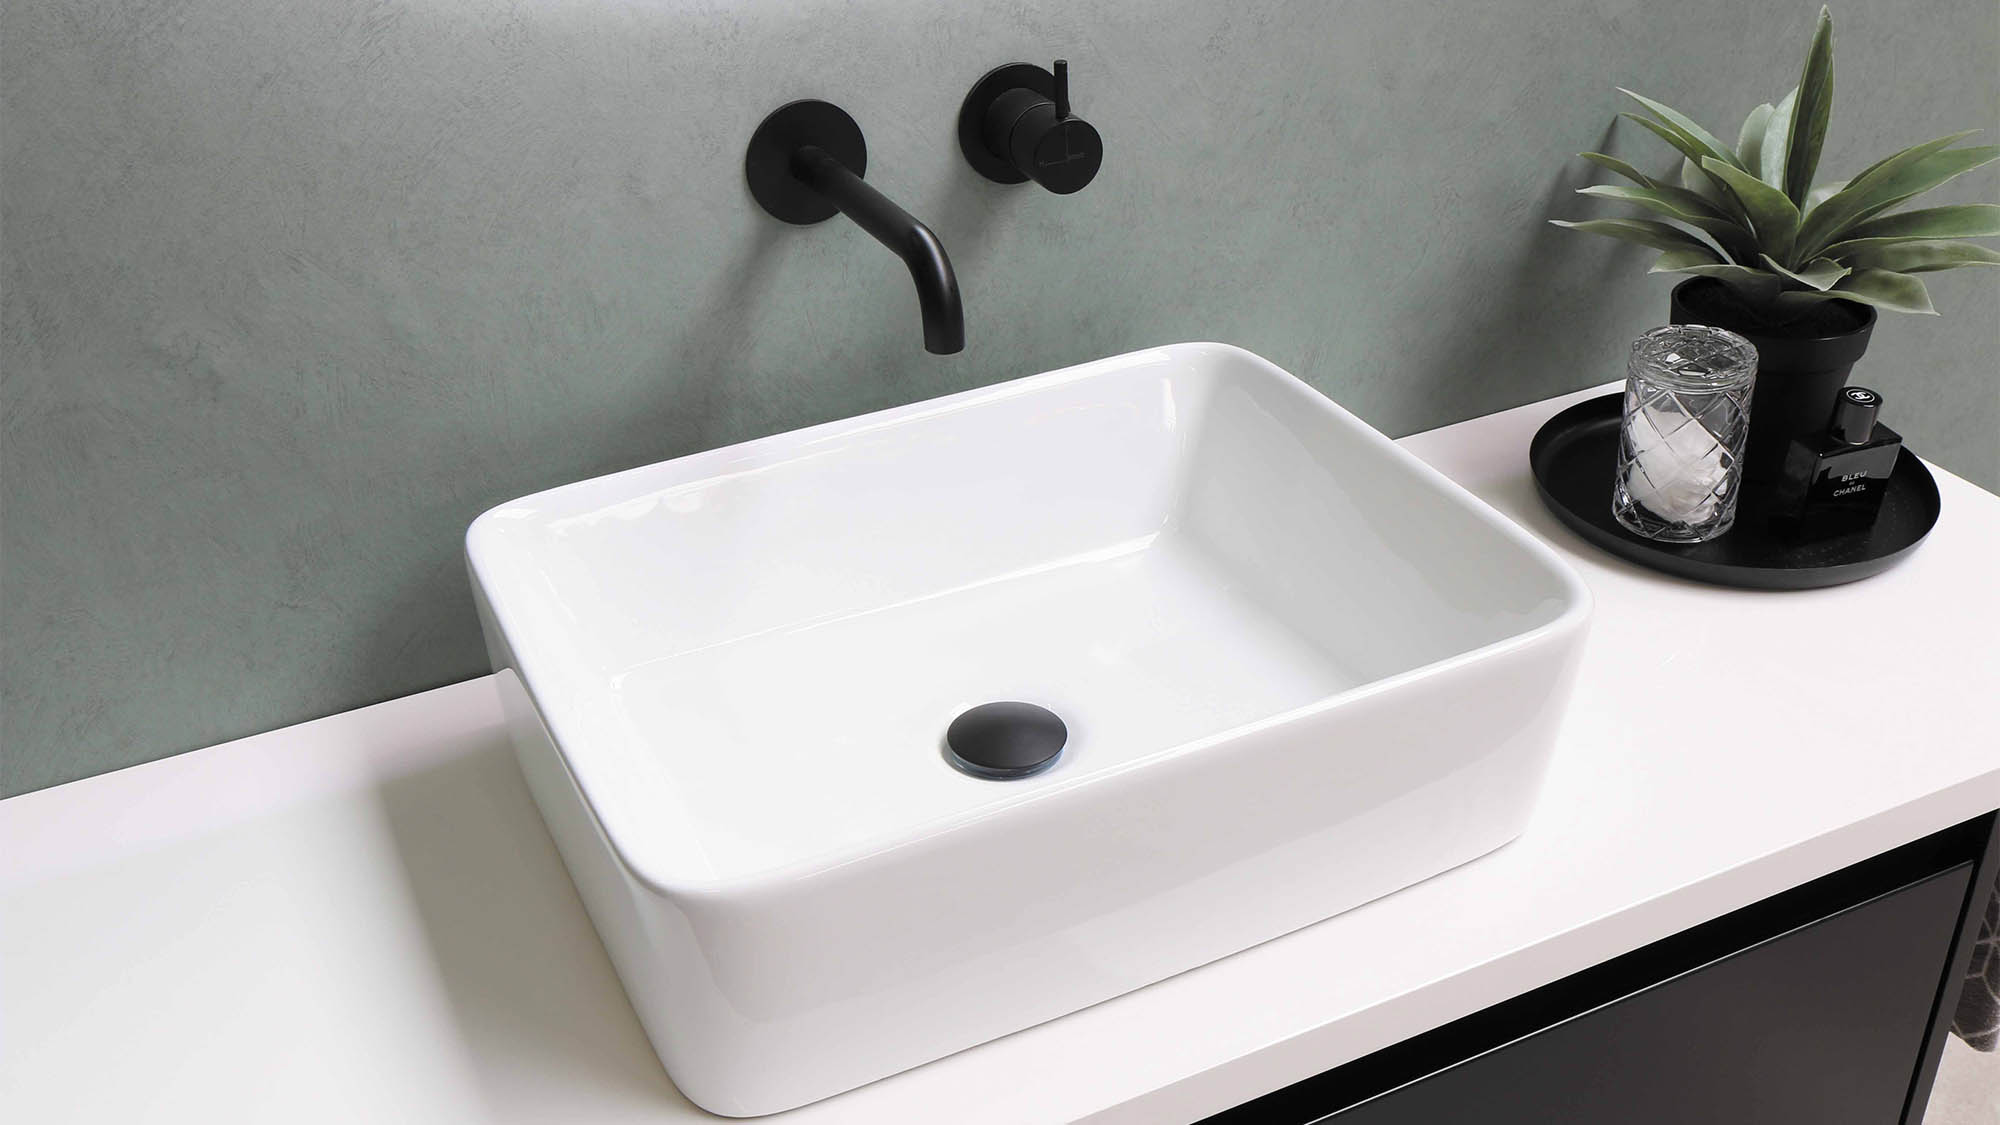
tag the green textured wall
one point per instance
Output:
(293, 290)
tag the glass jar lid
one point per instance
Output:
(1694, 357)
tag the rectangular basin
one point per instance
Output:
(1299, 670)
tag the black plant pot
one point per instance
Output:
(1801, 367)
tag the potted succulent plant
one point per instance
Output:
(1798, 269)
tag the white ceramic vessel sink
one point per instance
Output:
(1299, 670)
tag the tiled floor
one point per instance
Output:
(1968, 1088)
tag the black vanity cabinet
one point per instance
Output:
(1825, 1005)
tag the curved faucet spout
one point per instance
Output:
(937, 286)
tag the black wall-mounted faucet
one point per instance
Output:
(805, 164)
(1016, 125)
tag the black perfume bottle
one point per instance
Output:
(1835, 483)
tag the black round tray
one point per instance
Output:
(1574, 457)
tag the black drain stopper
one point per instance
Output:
(1001, 741)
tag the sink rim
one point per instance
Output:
(660, 872)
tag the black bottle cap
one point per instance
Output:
(1854, 416)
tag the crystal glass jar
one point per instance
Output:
(1680, 447)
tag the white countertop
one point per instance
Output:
(361, 918)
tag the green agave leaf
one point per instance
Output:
(1687, 207)
(1688, 146)
(1920, 256)
(1676, 202)
(1824, 192)
(1811, 112)
(1770, 211)
(1756, 284)
(1840, 250)
(1927, 146)
(1964, 220)
(1908, 173)
(1930, 172)
(1885, 289)
(1710, 189)
(1704, 141)
(1750, 142)
(1821, 274)
(1619, 166)
(1777, 140)
(1645, 232)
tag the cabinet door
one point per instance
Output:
(1821, 1019)
(1820, 1026)
(1827, 1004)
